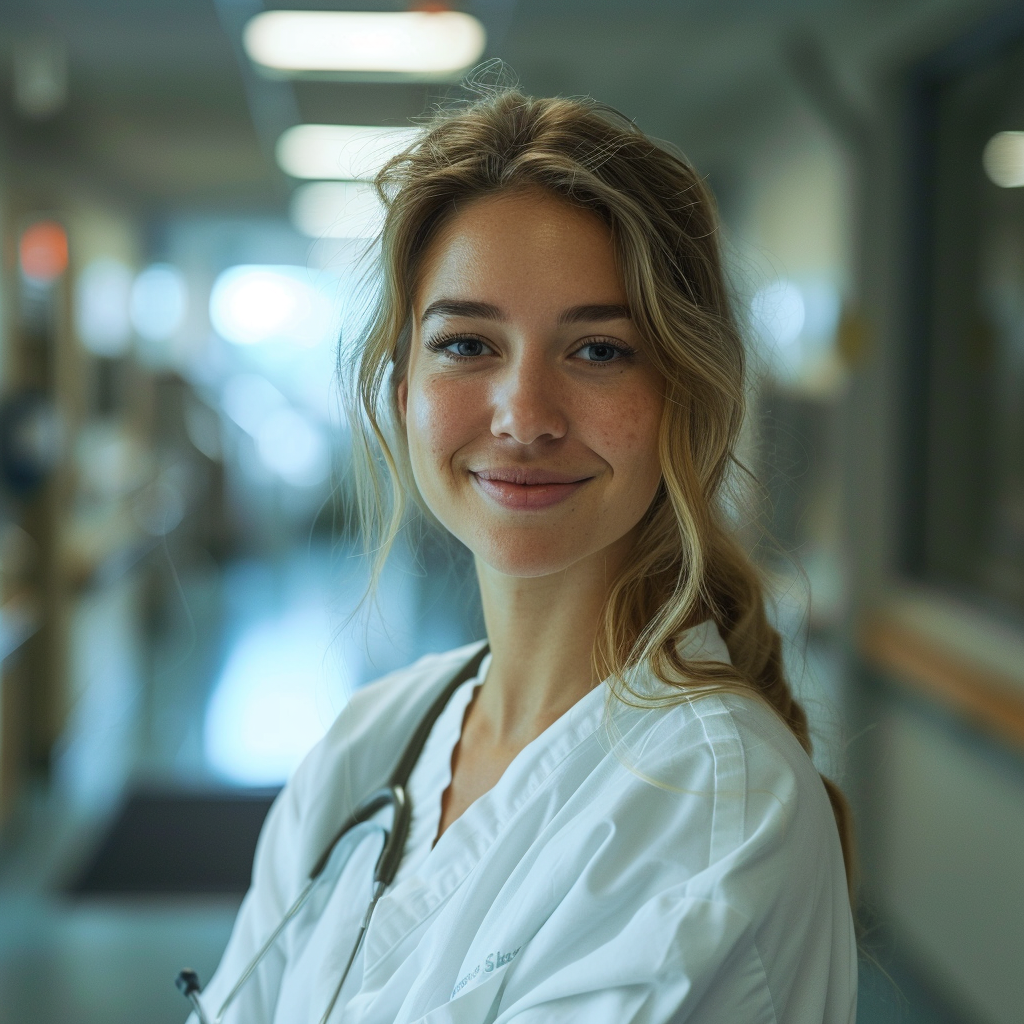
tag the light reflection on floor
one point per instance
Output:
(299, 641)
(262, 716)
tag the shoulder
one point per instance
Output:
(735, 816)
(359, 752)
(393, 701)
(738, 797)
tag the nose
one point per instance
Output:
(528, 404)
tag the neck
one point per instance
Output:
(542, 632)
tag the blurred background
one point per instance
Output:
(183, 217)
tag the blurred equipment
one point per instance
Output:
(43, 252)
(30, 441)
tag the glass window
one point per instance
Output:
(969, 534)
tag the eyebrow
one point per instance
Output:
(594, 314)
(469, 309)
(464, 308)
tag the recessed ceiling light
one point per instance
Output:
(411, 44)
(342, 151)
(1003, 159)
(337, 209)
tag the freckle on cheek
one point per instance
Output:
(434, 415)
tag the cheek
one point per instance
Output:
(440, 419)
(625, 431)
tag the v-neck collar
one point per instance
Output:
(468, 838)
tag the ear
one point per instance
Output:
(402, 393)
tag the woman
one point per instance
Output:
(614, 814)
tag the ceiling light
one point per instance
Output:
(339, 150)
(1003, 159)
(337, 209)
(411, 44)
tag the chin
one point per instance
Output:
(524, 554)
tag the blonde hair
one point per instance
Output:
(687, 564)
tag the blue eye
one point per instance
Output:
(459, 347)
(465, 347)
(600, 352)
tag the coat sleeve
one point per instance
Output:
(344, 765)
(680, 959)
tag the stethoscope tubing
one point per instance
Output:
(393, 795)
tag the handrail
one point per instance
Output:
(937, 669)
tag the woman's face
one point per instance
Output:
(531, 409)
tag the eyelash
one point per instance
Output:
(442, 341)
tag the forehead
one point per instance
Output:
(523, 249)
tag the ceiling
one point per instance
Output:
(163, 114)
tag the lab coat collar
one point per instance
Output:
(364, 745)
(468, 839)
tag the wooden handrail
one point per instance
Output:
(994, 703)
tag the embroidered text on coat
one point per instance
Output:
(492, 962)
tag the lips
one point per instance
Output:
(528, 488)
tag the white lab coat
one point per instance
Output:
(646, 866)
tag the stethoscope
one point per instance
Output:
(392, 795)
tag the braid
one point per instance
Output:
(755, 648)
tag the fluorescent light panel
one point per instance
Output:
(414, 44)
(347, 152)
(337, 209)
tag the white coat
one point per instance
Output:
(647, 866)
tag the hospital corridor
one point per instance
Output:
(189, 263)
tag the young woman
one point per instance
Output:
(612, 815)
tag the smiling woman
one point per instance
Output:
(607, 812)
(523, 370)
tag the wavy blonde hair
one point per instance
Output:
(687, 564)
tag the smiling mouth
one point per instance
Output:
(529, 489)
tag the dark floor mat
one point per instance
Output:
(178, 842)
